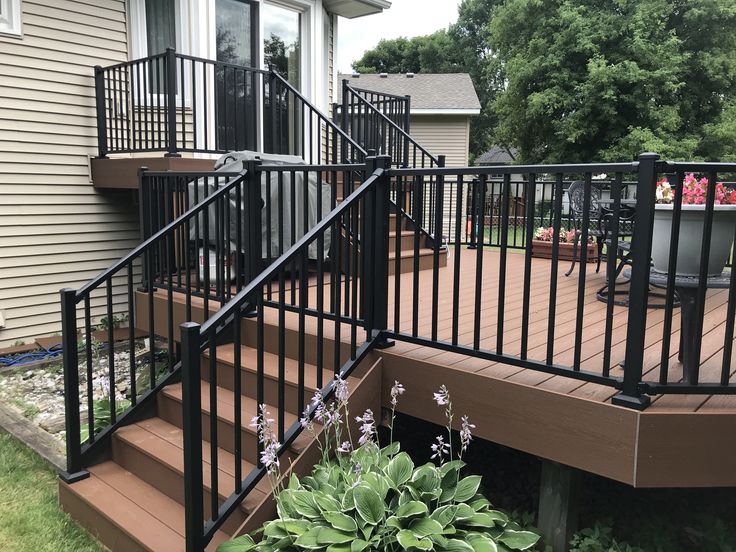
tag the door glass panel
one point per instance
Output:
(282, 40)
(234, 28)
(235, 85)
(282, 47)
(160, 25)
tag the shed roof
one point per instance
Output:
(430, 92)
(497, 155)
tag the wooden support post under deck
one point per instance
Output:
(559, 501)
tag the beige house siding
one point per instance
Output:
(447, 135)
(55, 229)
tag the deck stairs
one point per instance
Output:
(133, 500)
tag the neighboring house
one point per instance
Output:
(442, 107)
(56, 228)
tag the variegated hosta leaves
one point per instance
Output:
(377, 500)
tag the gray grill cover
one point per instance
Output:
(312, 191)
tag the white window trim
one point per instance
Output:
(10, 18)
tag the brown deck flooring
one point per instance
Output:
(592, 337)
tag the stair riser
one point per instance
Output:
(169, 409)
(249, 386)
(426, 262)
(167, 480)
(107, 532)
(407, 242)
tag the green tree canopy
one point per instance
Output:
(607, 79)
(461, 48)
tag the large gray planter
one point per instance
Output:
(691, 238)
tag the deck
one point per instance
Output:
(679, 441)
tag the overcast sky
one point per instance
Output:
(405, 18)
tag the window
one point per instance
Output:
(160, 25)
(282, 41)
(234, 24)
(10, 23)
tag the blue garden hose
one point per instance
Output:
(34, 356)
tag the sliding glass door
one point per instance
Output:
(282, 50)
(236, 107)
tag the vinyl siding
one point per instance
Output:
(56, 230)
(447, 135)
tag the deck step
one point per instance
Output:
(126, 513)
(426, 260)
(153, 450)
(407, 240)
(170, 410)
(249, 371)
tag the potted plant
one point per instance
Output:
(692, 220)
(542, 245)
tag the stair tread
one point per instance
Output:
(423, 251)
(248, 409)
(249, 361)
(147, 437)
(125, 500)
(392, 233)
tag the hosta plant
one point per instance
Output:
(370, 498)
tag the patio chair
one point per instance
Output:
(576, 198)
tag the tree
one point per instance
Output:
(589, 80)
(462, 48)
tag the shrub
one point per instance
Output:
(370, 498)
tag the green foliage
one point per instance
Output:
(599, 539)
(30, 517)
(102, 415)
(609, 79)
(375, 499)
(462, 48)
(116, 321)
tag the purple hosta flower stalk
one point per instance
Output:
(367, 427)
(271, 446)
(345, 447)
(342, 392)
(466, 434)
(442, 398)
(396, 390)
(440, 449)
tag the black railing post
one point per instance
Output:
(345, 120)
(377, 228)
(192, 426)
(407, 114)
(253, 224)
(144, 212)
(101, 112)
(641, 251)
(74, 470)
(172, 147)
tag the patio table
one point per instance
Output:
(687, 289)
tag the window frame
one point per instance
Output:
(11, 20)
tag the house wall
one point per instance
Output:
(55, 229)
(447, 135)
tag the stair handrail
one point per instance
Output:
(408, 138)
(196, 338)
(76, 451)
(324, 118)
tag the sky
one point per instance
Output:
(406, 18)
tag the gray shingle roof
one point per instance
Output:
(497, 156)
(427, 90)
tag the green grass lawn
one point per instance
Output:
(30, 517)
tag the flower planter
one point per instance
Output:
(691, 238)
(543, 250)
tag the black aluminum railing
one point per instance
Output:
(175, 103)
(129, 289)
(624, 348)
(376, 130)
(345, 281)
(394, 107)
